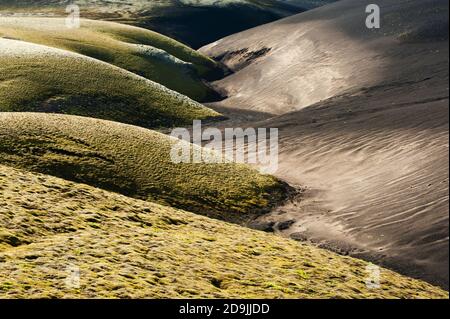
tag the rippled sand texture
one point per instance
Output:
(363, 118)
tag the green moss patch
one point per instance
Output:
(140, 51)
(42, 79)
(137, 251)
(135, 162)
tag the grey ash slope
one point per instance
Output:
(325, 52)
(363, 118)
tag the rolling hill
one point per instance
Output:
(363, 120)
(135, 162)
(326, 52)
(194, 22)
(36, 78)
(52, 230)
(146, 53)
(363, 125)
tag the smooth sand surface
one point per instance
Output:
(363, 119)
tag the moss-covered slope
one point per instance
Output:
(133, 161)
(52, 230)
(140, 51)
(42, 79)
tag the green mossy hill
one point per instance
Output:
(140, 51)
(36, 78)
(135, 162)
(52, 230)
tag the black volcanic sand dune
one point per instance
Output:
(326, 52)
(193, 22)
(199, 25)
(135, 162)
(363, 118)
